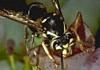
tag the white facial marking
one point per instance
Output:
(71, 40)
(58, 48)
(65, 46)
(64, 51)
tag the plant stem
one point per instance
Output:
(12, 62)
(26, 63)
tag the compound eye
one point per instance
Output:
(68, 35)
(55, 45)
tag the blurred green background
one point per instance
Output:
(9, 29)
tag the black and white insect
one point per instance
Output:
(51, 27)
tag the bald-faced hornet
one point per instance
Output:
(59, 39)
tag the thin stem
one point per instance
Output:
(12, 62)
